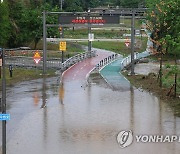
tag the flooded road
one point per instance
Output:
(73, 118)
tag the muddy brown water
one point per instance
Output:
(77, 119)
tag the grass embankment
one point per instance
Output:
(118, 47)
(150, 83)
(53, 50)
(102, 33)
(22, 74)
(127, 22)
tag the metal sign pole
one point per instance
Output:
(3, 104)
(89, 42)
(132, 42)
(89, 31)
(62, 56)
(44, 43)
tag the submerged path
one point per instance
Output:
(69, 119)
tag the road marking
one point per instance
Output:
(82, 68)
(84, 64)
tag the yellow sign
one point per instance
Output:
(37, 55)
(62, 46)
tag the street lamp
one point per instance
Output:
(3, 104)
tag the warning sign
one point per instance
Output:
(127, 42)
(62, 46)
(37, 57)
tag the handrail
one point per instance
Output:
(127, 61)
(77, 58)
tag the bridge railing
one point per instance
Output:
(127, 61)
(23, 61)
(77, 58)
(106, 61)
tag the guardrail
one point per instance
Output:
(77, 58)
(106, 60)
(127, 61)
(23, 61)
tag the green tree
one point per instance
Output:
(31, 25)
(4, 24)
(16, 15)
(73, 5)
(129, 4)
(164, 24)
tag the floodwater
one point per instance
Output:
(72, 119)
(146, 68)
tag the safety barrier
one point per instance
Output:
(105, 61)
(75, 59)
(24, 61)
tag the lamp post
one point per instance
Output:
(3, 102)
(132, 41)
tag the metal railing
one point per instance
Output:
(23, 61)
(105, 61)
(77, 58)
(127, 61)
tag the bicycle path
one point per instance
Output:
(80, 70)
(112, 72)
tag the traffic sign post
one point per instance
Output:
(62, 48)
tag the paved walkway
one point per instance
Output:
(80, 70)
(111, 72)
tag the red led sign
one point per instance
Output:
(88, 19)
(82, 21)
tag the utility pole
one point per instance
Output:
(89, 42)
(132, 41)
(89, 31)
(3, 103)
(44, 43)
